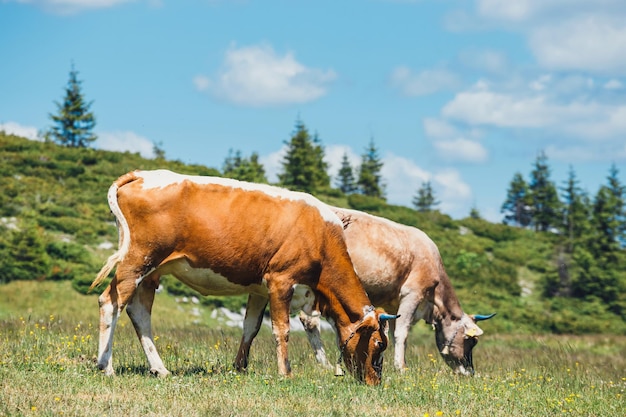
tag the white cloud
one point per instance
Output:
(72, 6)
(480, 106)
(614, 84)
(334, 156)
(17, 129)
(273, 163)
(439, 129)
(461, 149)
(452, 186)
(540, 83)
(257, 76)
(451, 144)
(565, 107)
(577, 35)
(529, 11)
(403, 178)
(507, 10)
(593, 43)
(422, 83)
(125, 141)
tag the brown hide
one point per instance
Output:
(228, 237)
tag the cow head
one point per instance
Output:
(456, 341)
(363, 350)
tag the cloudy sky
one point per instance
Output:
(461, 93)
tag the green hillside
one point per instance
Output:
(55, 224)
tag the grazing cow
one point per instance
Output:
(401, 269)
(227, 237)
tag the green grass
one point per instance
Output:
(48, 344)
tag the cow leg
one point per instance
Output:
(112, 301)
(108, 319)
(402, 325)
(280, 294)
(251, 326)
(139, 310)
(311, 324)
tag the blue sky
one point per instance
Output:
(461, 93)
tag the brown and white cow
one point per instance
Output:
(401, 269)
(226, 237)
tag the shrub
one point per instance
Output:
(365, 203)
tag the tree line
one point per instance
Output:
(591, 231)
(303, 166)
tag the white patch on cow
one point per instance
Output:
(140, 279)
(208, 282)
(302, 299)
(122, 223)
(162, 178)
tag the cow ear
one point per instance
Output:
(473, 330)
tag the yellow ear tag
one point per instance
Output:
(470, 332)
(445, 350)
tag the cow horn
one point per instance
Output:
(481, 317)
(385, 316)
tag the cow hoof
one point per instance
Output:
(108, 371)
(159, 373)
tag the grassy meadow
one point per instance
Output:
(48, 345)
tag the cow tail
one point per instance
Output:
(122, 227)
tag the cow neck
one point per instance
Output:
(447, 306)
(345, 306)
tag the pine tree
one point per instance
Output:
(304, 167)
(606, 222)
(618, 191)
(474, 213)
(603, 270)
(517, 208)
(425, 200)
(74, 122)
(369, 180)
(244, 169)
(544, 196)
(576, 211)
(321, 179)
(573, 252)
(345, 176)
(231, 163)
(158, 151)
(256, 171)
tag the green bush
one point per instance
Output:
(494, 231)
(571, 316)
(68, 251)
(23, 255)
(365, 203)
